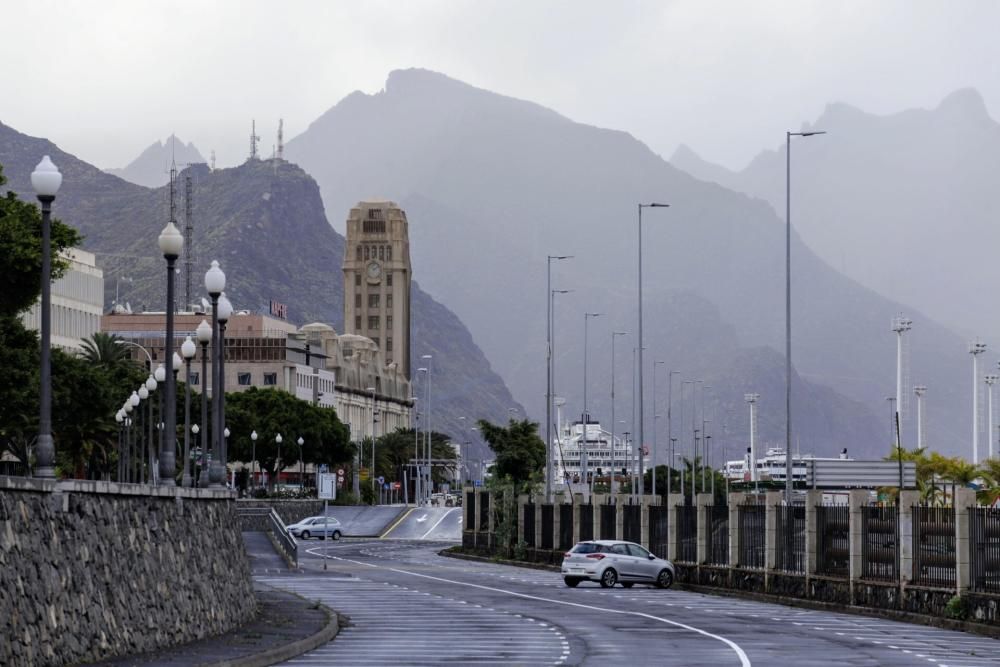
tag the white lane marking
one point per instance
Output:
(744, 660)
(443, 517)
(422, 519)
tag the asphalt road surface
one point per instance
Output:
(409, 606)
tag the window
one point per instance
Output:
(388, 301)
(388, 253)
(637, 551)
(270, 379)
(388, 278)
(619, 549)
(357, 300)
(366, 253)
(357, 323)
(381, 252)
(243, 379)
(357, 255)
(375, 340)
(388, 321)
(373, 300)
(373, 322)
(357, 278)
(194, 377)
(388, 344)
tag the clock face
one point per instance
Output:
(374, 270)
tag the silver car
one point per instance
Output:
(612, 561)
(317, 526)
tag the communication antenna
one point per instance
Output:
(975, 349)
(213, 159)
(901, 325)
(254, 139)
(919, 390)
(188, 238)
(281, 139)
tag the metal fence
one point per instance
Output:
(752, 534)
(659, 526)
(608, 520)
(470, 510)
(484, 511)
(586, 522)
(790, 538)
(879, 543)
(687, 533)
(529, 524)
(934, 546)
(984, 549)
(547, 526)
(566, 527)
(833, 540)
(717, 539)
(632, 523)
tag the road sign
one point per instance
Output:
(340, 472)
(324, 467)
(395, 485)
(340, 478)
(478, 482)
(364, 474)
(386, 486)
(380, 479)
(327, 487)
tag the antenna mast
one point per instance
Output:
(253, 139)
(188, 239)
(213, 159)
(281, 139)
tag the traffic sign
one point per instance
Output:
(324, 467)
(478, 482)
(326, 486)
(340, 472)
(386, 486)
(395, 485)
(340, 478)
(364, 474)
(380, 479)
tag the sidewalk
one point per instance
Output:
(286, 626)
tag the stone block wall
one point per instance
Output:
(92, 570)
(290, 511)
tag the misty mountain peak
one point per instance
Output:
(967, 102)
(404, 81)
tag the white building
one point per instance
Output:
(77, 302)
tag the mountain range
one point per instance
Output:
(152, 167)
(264, 221)
(497, 184)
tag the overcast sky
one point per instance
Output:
(104, 79)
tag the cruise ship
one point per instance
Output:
(576, 445)
(771, 467)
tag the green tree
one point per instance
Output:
(520, 453)
(104, 348)
(394, 452)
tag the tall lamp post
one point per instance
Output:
(788, 308)
(134, 401)
(277, 462)
(548, 376)
(195, 429)
(641, 426)
(552, 346)
(224, 313)
(614, 469)
(990, 381)
(215, 283)
(583, 441)
(155, 466)
(670, 430)
(429, 485)
(204, 335)
(171, 243)
(253, 457)
(975, 349)
(188, 350)
(127, 407)
(302, 468)
(656, 416)
(46, 179)
(371, 475)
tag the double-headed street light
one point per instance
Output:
(204, 336)
(614, 334)
(788, 308)
(583, 451)
(225, 311)
(548, 374)
(302, 465)
(171, 243)
(429, 484)
(46, 179)
(277, 462)
(253, 456)
(188, 350)
(215, 284)
(641, 440)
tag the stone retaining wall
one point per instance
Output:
(92, 570)
(290, 511)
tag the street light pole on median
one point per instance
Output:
(548, 374)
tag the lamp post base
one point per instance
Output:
(45, 452)
(215, 475)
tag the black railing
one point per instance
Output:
(529, 524)
(752, 534)
(833, 540)
(470, 510)
(566, 527)
(879, 542)
(659, 526)
(717, 539)
(632, 523)
(608, 519)
(687, 533)
(547, 526)
(984, 549)
(790, 538)
(934, 546)
(586, 522)
(484, 512)
(275, 527)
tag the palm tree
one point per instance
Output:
(961, 473)
(104, 348)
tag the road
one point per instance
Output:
(409, 606)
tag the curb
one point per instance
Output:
(288, 651)
(867, 612)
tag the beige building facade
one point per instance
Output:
(77, 302)
(377, 277)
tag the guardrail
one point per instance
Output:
(268, 520)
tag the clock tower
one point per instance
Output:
(377, 277)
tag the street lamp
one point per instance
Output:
(253, 457)
(225, 311)
(171, 243)
(655, 417)
(119, 418)
(429, 485)
(371, 475)
(46, 179)
(204, 335)
(302, 469)
(277, 462)
(670, 429)
(215, 283)
(188, 350)
(225, 445)
(614, 334)
(161, 376)
(548, 373)
(788, 308)
(975, 349)
(584, 459)
(642, 442)
(552, 382)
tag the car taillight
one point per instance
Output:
(568, 554)
(595, 556)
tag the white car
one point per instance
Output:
(317, 526)
(612, 561)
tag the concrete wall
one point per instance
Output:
(91, 570)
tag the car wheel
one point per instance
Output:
(305, 534)
(628, 584)
(322, 537)
(571, 581)
(609, 578)
(665, 579)
(336, 535)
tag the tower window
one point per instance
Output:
(388, 279)
(388, 321)
(388, 343)
(357, 323)
(388, 253)
(358, 253)
(381, 252)
(367, 253)
(373, 322)
(357, 276)
(357, 300)
(388, 301)
(373, 300)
